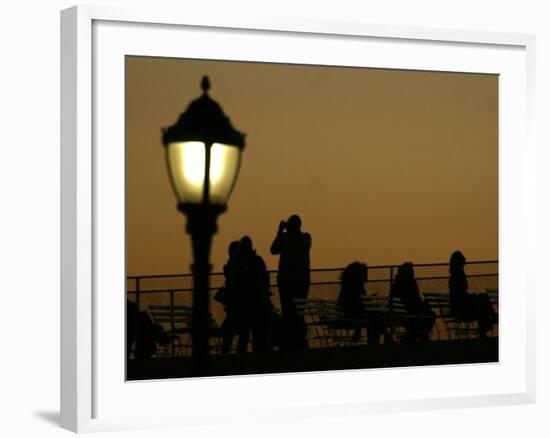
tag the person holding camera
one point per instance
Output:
(293, 247)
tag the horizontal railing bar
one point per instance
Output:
(318, 283)
(419, 265)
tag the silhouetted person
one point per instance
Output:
(423, 318)
(228, 295)
(254, 298)
(143, 333)
(352, 293)
(293, 278)
(465, 306)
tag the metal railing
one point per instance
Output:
(176, 289)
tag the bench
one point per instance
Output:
(326, 323)
(402, 324)
(493, 295)
(452, 326)
(319, 318)
(177, 322)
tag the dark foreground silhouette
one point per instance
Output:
(326, 359)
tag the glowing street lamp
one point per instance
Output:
(203, 153)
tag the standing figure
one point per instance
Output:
(422, 318)
(255, 297)
(293, 278)
(466, 306)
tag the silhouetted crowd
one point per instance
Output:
(246, 294)
(250, 314)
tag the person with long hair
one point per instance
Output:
(352, 293)
(422, 317)
(467, 306)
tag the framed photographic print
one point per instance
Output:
(257, 208)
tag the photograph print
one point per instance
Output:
(296, 218)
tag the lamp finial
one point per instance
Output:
(205, 84)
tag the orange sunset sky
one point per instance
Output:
(383, 166)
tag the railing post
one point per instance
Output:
(136, 322)
(137, 292)
(390, 308)
(172, 323)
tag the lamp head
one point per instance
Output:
(203, 152)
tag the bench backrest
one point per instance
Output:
(173, 315)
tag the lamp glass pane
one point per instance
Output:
(186, 164)
(224, 166)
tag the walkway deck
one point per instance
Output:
(326, 359)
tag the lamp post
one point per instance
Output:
(203, 153)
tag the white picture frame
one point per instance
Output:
(93, 396)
